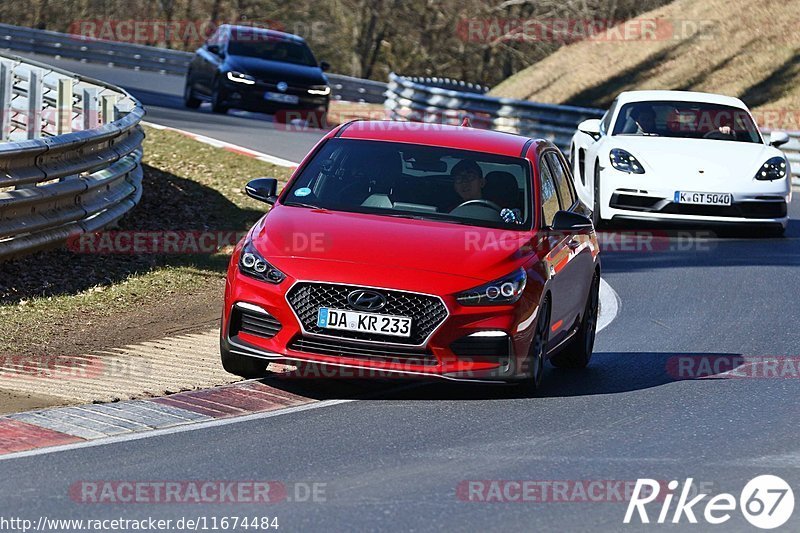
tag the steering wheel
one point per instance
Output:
(481, 202)
(718, 135)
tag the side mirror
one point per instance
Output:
(590, 127)
(778, 138)
(263, 190)
(570, 222)
(325, 66)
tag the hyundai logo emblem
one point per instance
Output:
(282, 86)
(365, 300)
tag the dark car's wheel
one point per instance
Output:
(536, 353)
(596, 220)
(323, 121)
(217, 99)
(578, 352)
(188, 95)
(239, 365)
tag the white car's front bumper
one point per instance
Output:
(625, 196)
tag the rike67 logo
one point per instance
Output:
(767, 502)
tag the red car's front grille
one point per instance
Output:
(426, 312)
(340, 348)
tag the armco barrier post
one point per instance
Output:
(64, 107)
(108, 108)
(6, 87)
(34, 121)
(89, 108)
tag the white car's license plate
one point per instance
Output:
(283, 98)
(703, 198)
(398, 326)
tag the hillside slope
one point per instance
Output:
(745, 49)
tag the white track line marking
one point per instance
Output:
(609, 305)
(216, 143)
(189, 426)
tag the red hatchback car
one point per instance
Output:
(421, 250)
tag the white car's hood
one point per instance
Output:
(689, 163)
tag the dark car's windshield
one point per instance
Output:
(262, 45)
(690, 120)
(415, 181)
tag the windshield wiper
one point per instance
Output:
(301, 204)
(423, 217)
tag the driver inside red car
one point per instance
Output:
(468, 180)
(470, 184)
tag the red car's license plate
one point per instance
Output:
(398, 326)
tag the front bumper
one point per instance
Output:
(252, 97)
(471, 343)
(628, 198)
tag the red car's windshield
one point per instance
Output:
(409, 180)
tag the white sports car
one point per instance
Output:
(677, 156)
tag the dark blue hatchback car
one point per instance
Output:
(258, 69)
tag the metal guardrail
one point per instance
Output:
(70, 155)
(141, 57)
(430, 100)
(408, 99)
(450, 84)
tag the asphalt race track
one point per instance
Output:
(162, 96)
(397, 461)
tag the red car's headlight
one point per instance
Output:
(503, 291)
(252, 264)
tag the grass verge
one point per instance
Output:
(61, 302)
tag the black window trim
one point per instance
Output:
(542, 221)
(567, 176)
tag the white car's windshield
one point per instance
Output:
(691, 120)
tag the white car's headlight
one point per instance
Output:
(238, 77)
(320, 90)
(774, 169)
(625, 162)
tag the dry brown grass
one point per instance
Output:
(745, 49)
(341, 112)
